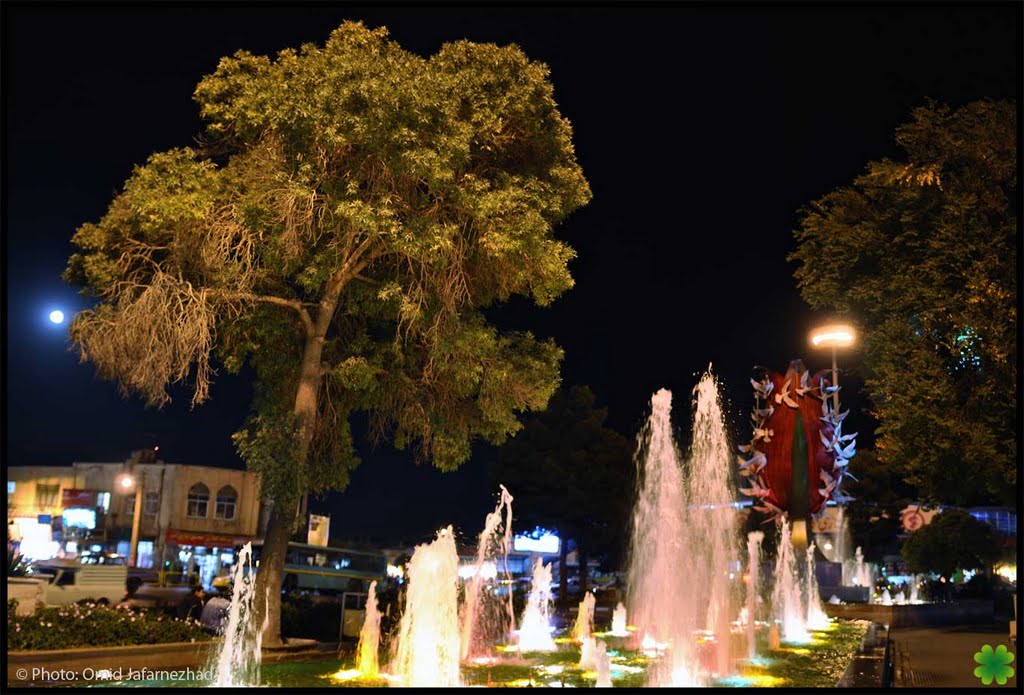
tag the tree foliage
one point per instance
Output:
(569, 472)
(954, 540)
(880, 495)
(922, 253)
(347, 214)
(430, 185)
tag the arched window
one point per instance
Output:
(198, 500)
(227, 498)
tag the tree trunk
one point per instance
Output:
(283, 512)
(581, 553)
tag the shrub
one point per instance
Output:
(301, 616)
(92, 625)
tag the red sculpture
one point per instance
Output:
(798, 455)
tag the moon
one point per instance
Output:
(57, 316)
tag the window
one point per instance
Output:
(10, 493)
(47, 495)
(227, 498)
(152, 503)
(145, 554)
(198, 500)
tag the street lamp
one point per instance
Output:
(834, 336)
(126, 482)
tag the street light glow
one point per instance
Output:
(126, 481)
(833, 336)
(57, 316)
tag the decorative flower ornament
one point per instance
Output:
(995, 664)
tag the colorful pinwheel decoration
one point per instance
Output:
(798, 455)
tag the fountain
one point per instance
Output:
(754, 539)
(786, 600)
(683, 526)
(487, 619)
(535, 631)
(603, 666)
(619, 621)
(369, 637)
(584, 624)
(238, 662)
(588, 653)
(428, 646)
(862, 576)
(816, 617)
(886, 598)
(913, 590)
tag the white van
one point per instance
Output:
(68, 581)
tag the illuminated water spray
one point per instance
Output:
(754, 539)
(535, 630)
(238, 662)
(369, 636)
(486, 617)
(619, 621)
(683, 538)
(603, 666)
(787, 603)
(428, 646)
(584, 624)
(816, 618)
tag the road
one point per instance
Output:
(943, 657)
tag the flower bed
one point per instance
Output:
(93, 625)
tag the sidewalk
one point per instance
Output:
(943, 657)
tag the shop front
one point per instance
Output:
(193, 557)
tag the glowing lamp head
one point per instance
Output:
(125, 482)
(839, 335)
(57, 316)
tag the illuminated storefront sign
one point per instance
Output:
(540, 541)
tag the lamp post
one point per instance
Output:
(125, 482)
(834, 336)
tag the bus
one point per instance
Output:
(324, 570)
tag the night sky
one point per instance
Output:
(702, 131)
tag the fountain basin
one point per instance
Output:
(820, 663)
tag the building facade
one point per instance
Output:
(192, 517)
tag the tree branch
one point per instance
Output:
(294, 304)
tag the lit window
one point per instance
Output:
(198, 501)
(152, 503)
(47, 495)
(227, 499)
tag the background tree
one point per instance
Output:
(922, 252)
(347, 215)
(954, 540)
(570, 473)
(880, 495)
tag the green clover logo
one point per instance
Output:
(994, 664)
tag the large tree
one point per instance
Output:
(348, 212)
(922, 253)
(954, 540)
(570, 473)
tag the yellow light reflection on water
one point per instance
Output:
(796, 650)
(347, 675)
(763, 680)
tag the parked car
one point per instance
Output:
(62, 582)
(152, 596)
